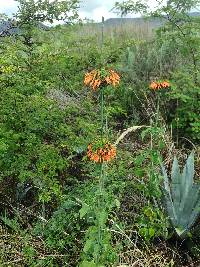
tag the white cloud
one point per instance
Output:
(90, 5)
(8, 6)
(95, 9)
(97, 13)
(91, 9)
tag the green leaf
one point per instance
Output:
(89, 244)
(117, 203)
(151, 232)
(102, 217)
(84, 210)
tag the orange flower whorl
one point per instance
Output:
(158, 85)
(101, 154)
(94, 79)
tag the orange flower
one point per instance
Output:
(113, 79)
(94, 79)
(154, 86)
(102, 154)
(165, 84)
(96, 84)
(108, 80)
(95, 158)
(159, 85)
(89, 77)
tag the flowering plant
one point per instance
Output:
(102, 77)
(101, 152)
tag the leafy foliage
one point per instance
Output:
(54, 206)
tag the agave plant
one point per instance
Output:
(182, 196)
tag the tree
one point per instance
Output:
(171, 7)
(31, 13)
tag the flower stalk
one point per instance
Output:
(102, 173)
(100, 152)
(102, 112)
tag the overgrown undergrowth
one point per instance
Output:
(80, 164)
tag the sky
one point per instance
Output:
(95, 9)
(91, 9)
(8, 6)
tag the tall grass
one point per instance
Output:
(122, 31)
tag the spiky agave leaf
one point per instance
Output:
(168, 198)
(187, 180)
(182, 196)
(175, 187)
(195, 211)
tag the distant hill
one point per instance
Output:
(139, 21)
(195, 14)
(154, 21)
(10, 27)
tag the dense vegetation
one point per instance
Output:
(70, 98)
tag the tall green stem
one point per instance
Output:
(102, 172)
(158, 112)
(101, 177)
(102, 113)
(102, 40)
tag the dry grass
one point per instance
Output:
(123, 31)
(12, 246)
(161, 255)
(157, 257)
(10, 249)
